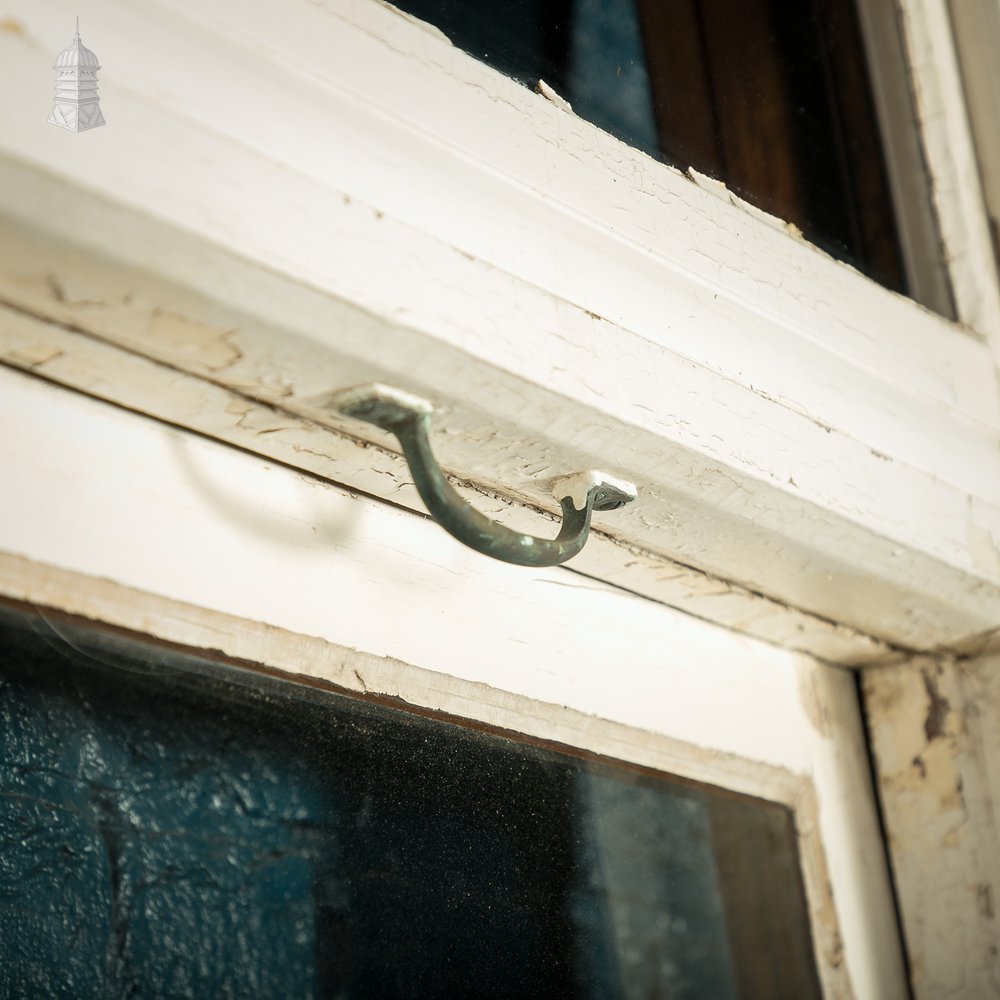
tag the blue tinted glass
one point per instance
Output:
(174, 827)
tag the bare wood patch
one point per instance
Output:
(935, 725)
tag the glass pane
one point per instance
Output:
(176, 827)
(772, 98)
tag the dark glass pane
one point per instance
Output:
(589, 51)
(174, 827)
(772, 98)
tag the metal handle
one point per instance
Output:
(408, 418)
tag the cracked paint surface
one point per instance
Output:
(933, 725)
(715, 324)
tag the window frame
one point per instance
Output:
(775, 404)
(770, 403)
(203, 546)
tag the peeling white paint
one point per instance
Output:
(337, 455)
(550, 95)
(720, 190)
(810, 449)
(935, 725)
(711, 459)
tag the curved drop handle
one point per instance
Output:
(408, 417)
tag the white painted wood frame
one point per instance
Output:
(943, 119)
(976, 28)
(290, 198)
(935, 725)
(131, 522)
(816, 457)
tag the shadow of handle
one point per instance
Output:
(408, 418)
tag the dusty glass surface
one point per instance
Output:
(175, 827)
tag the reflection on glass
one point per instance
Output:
(174, 827)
